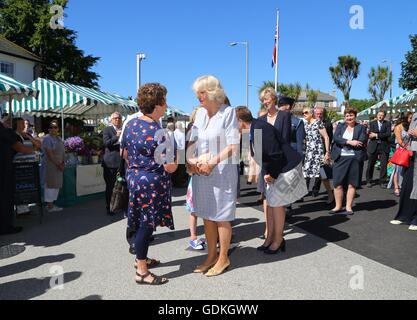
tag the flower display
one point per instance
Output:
(74, 144)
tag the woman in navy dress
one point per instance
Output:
(148, 178)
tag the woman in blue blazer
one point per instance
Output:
(348, 154)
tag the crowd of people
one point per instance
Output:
(293, 158)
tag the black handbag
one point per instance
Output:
(120, 196)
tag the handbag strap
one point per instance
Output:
(121, 170)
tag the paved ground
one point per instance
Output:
(360, 257)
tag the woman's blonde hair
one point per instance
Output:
(194, 114)
(212, 86)
(269, 91)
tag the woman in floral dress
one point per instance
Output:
(314, 155)
(148, 180)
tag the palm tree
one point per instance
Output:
(380, 80)
(346, 70)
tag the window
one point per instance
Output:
(7, 68)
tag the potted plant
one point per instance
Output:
(73, 147)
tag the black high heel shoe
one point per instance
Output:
(263, 248)
(282, 247)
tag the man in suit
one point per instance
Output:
(298, 132)
(379, 145)
(111, 160)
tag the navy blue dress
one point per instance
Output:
(148, 182)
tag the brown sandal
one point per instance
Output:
(157, 280)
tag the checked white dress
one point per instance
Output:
(214, 196)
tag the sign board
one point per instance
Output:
(27, 187)
(90, 180)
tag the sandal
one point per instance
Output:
(151, 263)
(157, 280)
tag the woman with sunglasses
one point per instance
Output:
(315, 156)
(53, 165)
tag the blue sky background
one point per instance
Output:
(185, 39)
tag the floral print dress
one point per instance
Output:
(314, 155)
(148, 182)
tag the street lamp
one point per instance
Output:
(246, 44)
(139, 58)
(390, 71)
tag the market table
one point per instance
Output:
(81, 184)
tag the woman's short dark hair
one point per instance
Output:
(15, 121)
(151, 95)
(54, 123)
(244, 114)
(351, 110)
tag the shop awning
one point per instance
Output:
(402, 103)
(11, 88)
(68, 100)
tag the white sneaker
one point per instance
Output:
(396, 222)
(413, 228)
(54, 209)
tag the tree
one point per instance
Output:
(27, 23)
(343, 74)
(361, 105)
(408, 79)
(380, 80)
(312, 96)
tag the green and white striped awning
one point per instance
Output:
(402, 103)
(10, 88)
(58, 98)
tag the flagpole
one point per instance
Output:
(276, 53)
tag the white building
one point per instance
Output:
(18, 63)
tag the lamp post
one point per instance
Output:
(246, 44)
(139, 58)
(390, 72)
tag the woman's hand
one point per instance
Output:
(413, 133)
(205, 168)
(355, 143)
(269, 180)
(171, 167)
(327, 158)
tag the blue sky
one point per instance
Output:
(185, 39)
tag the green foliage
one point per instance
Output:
(333, 116)
(311, 95)
(27, 23)
(380, 79)
(408, 79)
(343, 74)
(361, 105)
(92, 140)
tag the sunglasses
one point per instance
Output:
(118, 118)
(306, 112)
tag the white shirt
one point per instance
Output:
(345, 151)
(129, 117)
(179, 136)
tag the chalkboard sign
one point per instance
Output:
(27, 184)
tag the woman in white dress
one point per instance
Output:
(212, 157)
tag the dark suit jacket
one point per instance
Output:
(329, 129)
(111, 157)
(383, 136)
(282, 125)
(339, 142)
(298, 135)
(277, 157)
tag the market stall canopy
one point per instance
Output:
(68, 100)
(11, 88)
(177, 114)
(402, 103)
